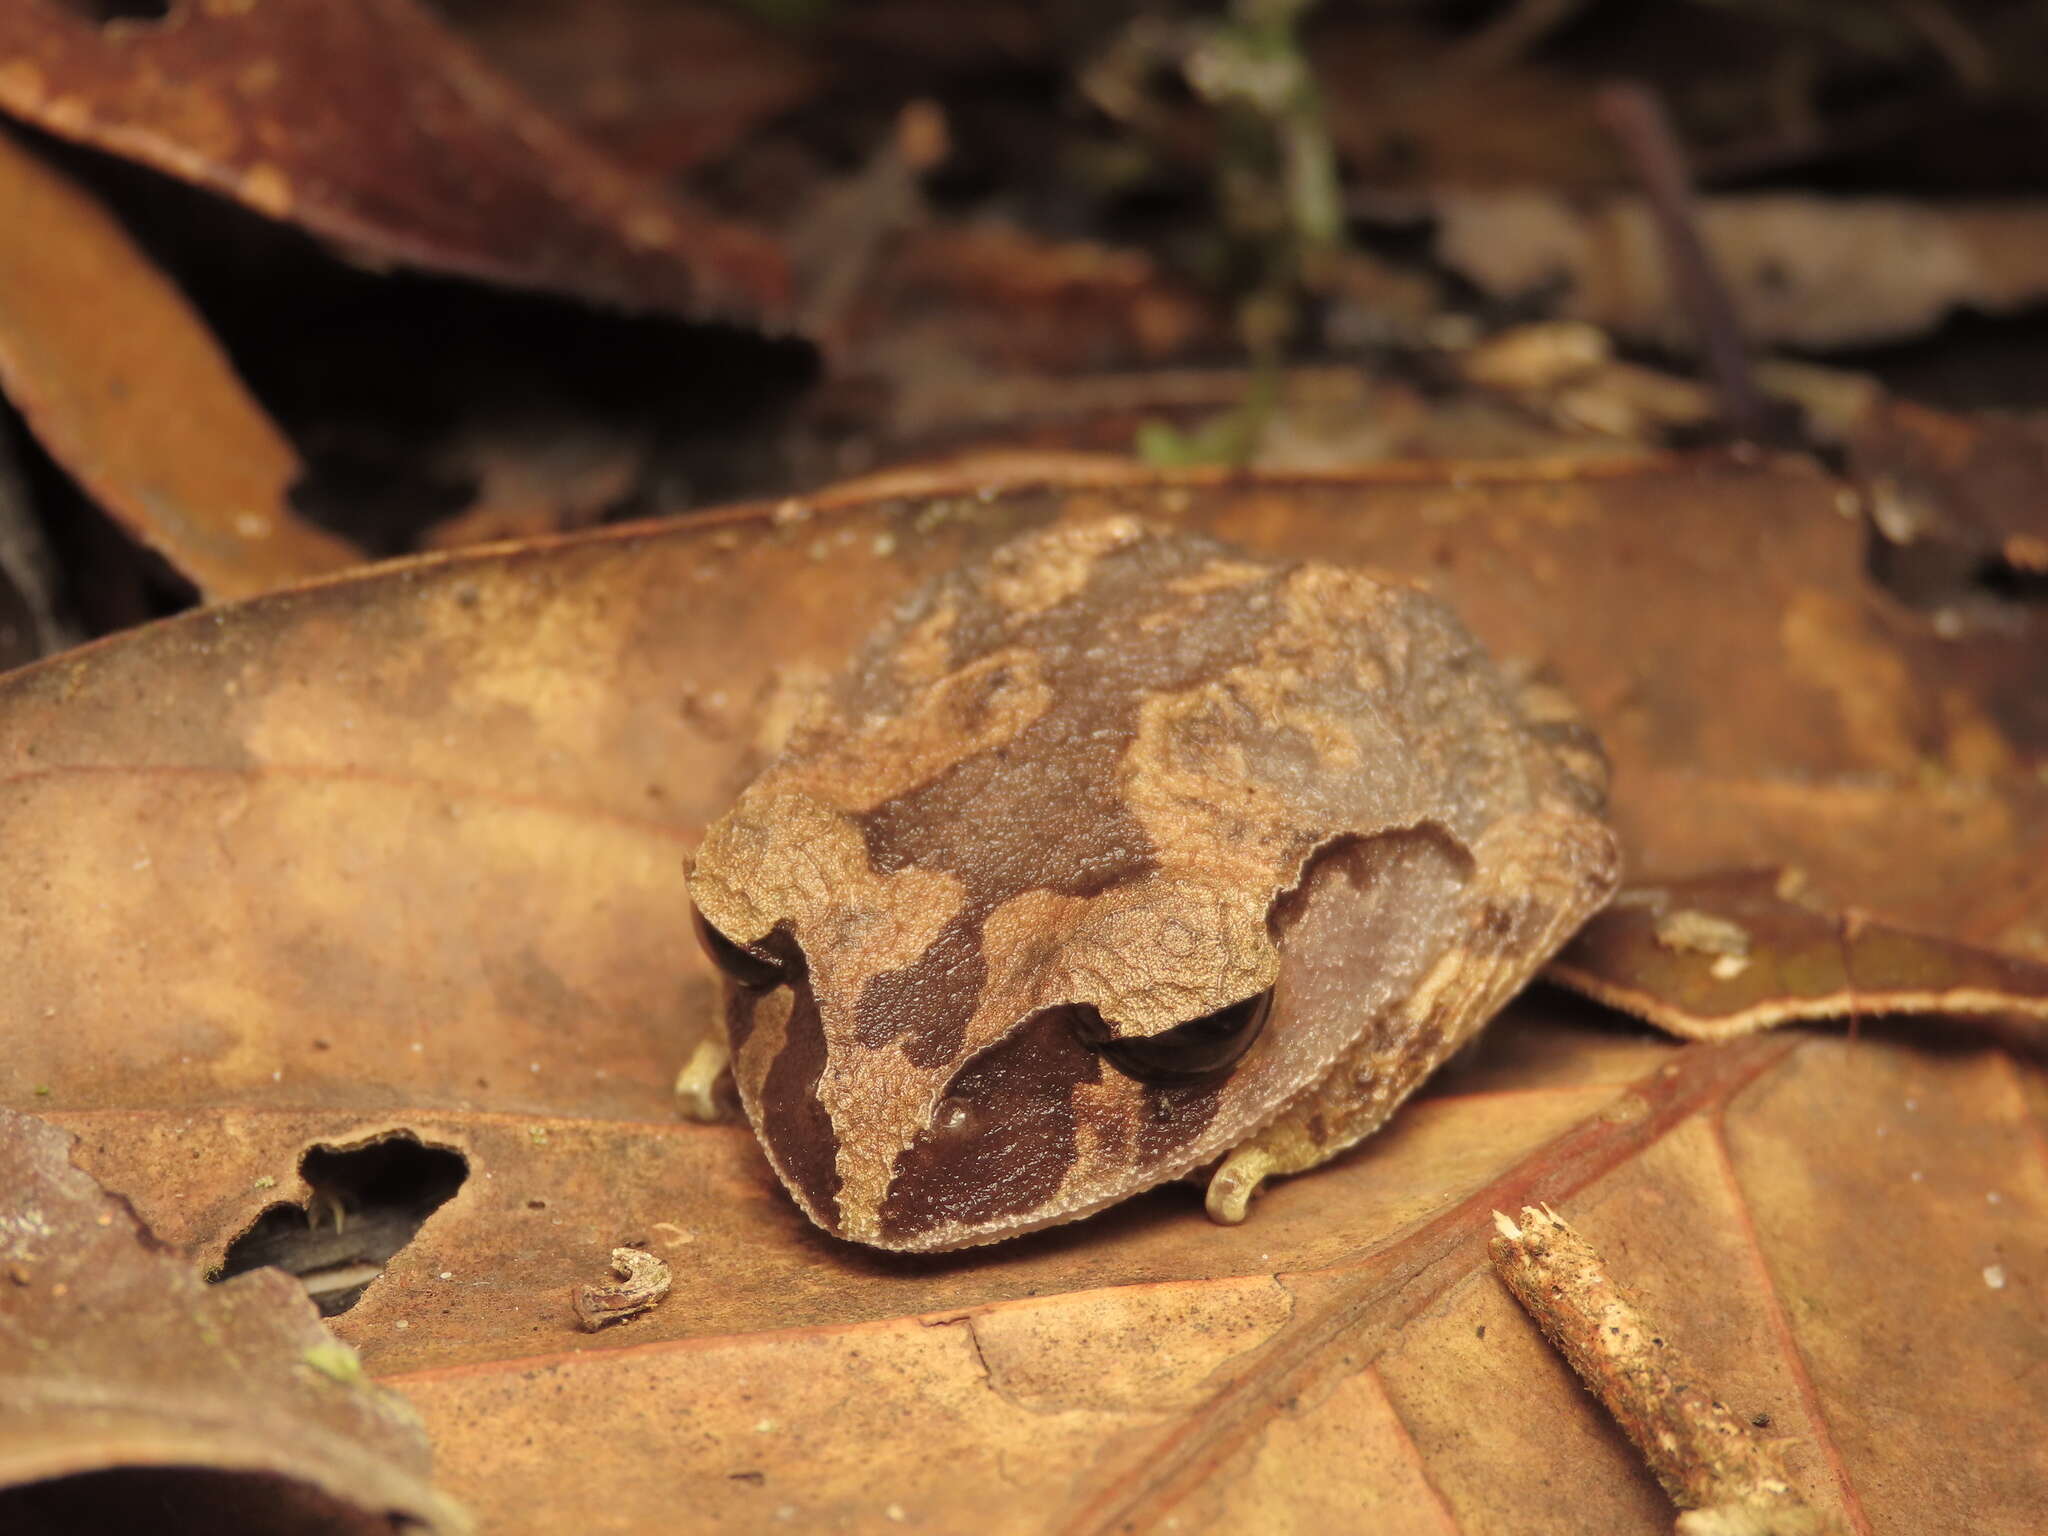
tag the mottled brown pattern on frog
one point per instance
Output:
(1085, 772)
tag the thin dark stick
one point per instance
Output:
(1633, 115)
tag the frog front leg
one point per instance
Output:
(704, 1088)
(1536, 879)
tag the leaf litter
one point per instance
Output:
(394, 860)
(515, 767)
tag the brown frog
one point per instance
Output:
(1121, 855)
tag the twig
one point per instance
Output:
(1729, 1480)
(1633, 116)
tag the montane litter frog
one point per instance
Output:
(1122, 855)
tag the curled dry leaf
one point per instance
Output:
(117, 1357)
(374, 127)
(402, 852)
(1726, 954)
(129, 391)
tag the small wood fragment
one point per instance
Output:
(1727, 1479)
(642, 1281)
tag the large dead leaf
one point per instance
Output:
(403, 851)
(373, 126)
(128, 1387)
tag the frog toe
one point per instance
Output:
(1234, 1183)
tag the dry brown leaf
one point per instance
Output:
(117, 1358)
(373, 126)
(984, 332)
(1401, 112)
(1953, 495)
(129, 391)
(1020, 303)
(1728, 954)
(403, 851)
(665, 85)
(1803, 271)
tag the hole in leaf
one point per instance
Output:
(366, 1204)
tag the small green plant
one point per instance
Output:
(1277, 197)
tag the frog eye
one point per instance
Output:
(753, 966)
(1197, 1048)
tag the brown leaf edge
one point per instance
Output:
(1726, 954)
